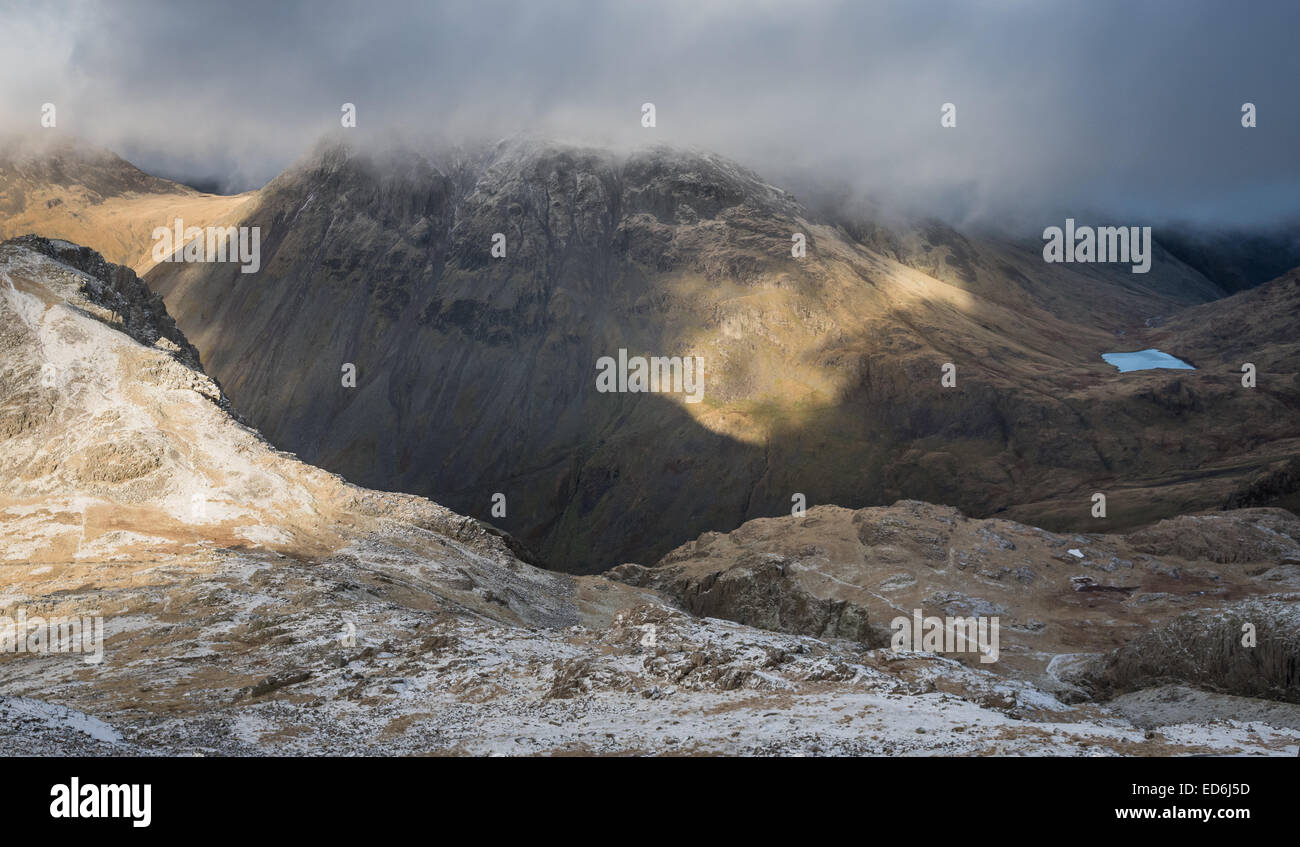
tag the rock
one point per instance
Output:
(1205, 648)
(273, 683)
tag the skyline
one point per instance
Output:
(1057, 109)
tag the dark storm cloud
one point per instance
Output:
(1128, 107)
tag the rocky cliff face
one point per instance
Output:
(116, 294)
(476, 374)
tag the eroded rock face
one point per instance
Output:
(759, 591)
(1248, 649)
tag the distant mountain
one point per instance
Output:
(1236, 259)
(66, 189)
(476, 375)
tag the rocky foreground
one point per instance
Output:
(254, 604)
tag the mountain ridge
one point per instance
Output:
(384, 261)
(671, 253)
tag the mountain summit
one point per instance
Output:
(475, 370)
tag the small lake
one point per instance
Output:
(1144, 360)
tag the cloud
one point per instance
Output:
(1132, 108)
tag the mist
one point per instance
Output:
(1129, 109)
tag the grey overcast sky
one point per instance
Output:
(1129, 107)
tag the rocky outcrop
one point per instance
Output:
(1224, 539)
(130, 304)
(758, 591)
(118, 447)
(1248, 649)
(1279, 484)
(1060, 599)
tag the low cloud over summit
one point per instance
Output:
(1133, 109)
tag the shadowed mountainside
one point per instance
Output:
(475, 375)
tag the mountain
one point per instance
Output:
(1237, 259)
(253, 604)
(66, 189)
(476, 375)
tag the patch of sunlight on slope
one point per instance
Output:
(778, 353)
(121, 228)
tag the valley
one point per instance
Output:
(474, 373)
(301, 615)
(649, 588)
